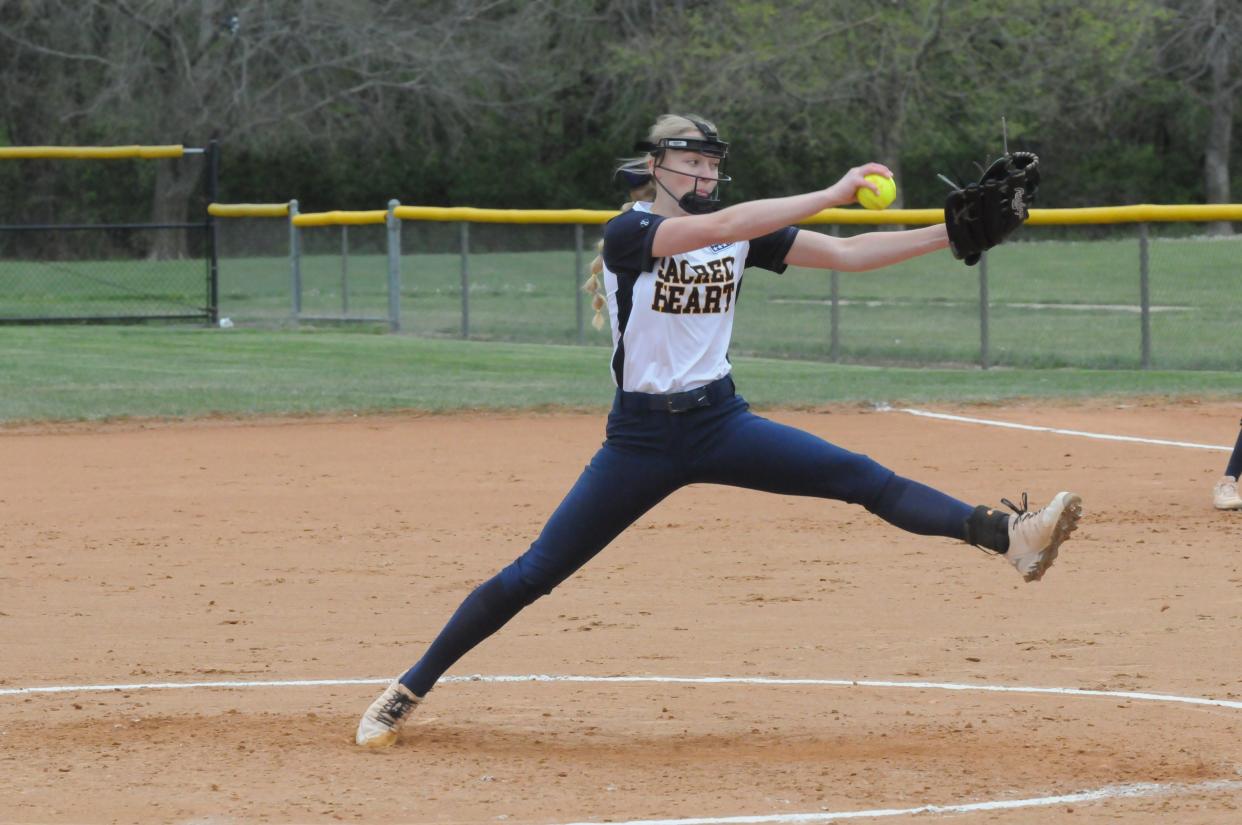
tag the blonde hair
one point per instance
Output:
(665, 126)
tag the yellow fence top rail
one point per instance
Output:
(1141, 213)
(248, 210)
(473, 215)
(338, 218)
(89, 152)
(876, 216)
(598, 216)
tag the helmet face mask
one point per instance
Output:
(711, 146)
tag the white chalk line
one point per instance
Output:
(1057, 430)
(671, 680)
(1135, 791)
(1098, 794)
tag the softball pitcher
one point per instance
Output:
(672, 274)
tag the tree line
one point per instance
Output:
(344, 104)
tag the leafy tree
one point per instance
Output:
(326, 73)
(1202, 48)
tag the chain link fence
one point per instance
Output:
(61, 273)
(59, 263)
(1109, 296)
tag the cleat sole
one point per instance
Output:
(1066, 524)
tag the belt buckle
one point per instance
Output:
(686, 401)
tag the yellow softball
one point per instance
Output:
(870, 200)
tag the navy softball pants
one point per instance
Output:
(650, 454)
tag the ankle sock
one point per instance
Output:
(988, 528)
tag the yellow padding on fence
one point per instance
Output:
(1099, 214)
(472, 215)
(597, 216)
(87, 152)
(248, 210)
(1140, 213)
(338, 218)
(884, 216)
(1143, 213)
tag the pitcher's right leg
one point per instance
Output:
(611, 494)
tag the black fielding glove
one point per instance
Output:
(982, 214)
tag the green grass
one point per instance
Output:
(92, 373)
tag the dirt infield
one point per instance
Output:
(335, 549)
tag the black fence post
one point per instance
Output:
(1144, 300)
(213, 253)
(834, 310)
(985, 354)
(465, 279)
(578, 277)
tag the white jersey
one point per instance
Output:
(672, 317)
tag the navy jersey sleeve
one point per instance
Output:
(769, 251)
(627, 241)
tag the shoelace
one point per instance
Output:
(1022, 512)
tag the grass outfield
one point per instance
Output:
(92, 373)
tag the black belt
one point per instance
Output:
(678, 402)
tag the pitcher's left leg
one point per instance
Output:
(746, 450)
(753, 452)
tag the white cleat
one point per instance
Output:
(1035, 537)
(381, 724)
(1225, 494)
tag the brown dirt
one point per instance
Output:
(335, 549)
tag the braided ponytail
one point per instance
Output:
(594, 285)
